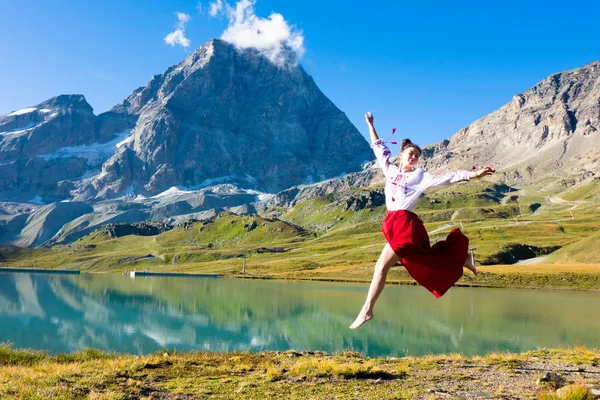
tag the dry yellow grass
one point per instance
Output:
(593, 269)
(289, 375)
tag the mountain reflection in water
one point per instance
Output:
(64, 313)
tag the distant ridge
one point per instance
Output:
(551, 129)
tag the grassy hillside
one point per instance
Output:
(338, 237)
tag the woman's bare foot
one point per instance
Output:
(361, 319)
(470, 266)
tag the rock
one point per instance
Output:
(284, 130)
(514, 252)
(364, 199)
(290, 197)
(251, 226)
(552, 129)
(81, 247)
(552, 378)
(55, 141)
(474, 395)
(138, 228)
(66, 120)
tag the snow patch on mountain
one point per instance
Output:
(129, 139)
(172, 191)
(21, 130)
(22, 111)
(214, 181)
(95, 153)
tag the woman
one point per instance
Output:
(436, 267)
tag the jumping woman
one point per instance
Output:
(436, 267)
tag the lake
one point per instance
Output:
(141, 315)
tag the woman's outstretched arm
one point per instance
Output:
(370, 120)
(481, 173)
(433, 180)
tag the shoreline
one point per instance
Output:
(409, 283)
(564, 281)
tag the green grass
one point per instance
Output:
(289, 374)
(589, 191)
(229, 230)
(329, 212)
(24, 357)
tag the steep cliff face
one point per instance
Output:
(46, 149)
(62, 121)
(221, 115)
(550, 129)
(229, 114)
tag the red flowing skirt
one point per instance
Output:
(437, 267)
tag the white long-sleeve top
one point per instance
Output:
(402, 189)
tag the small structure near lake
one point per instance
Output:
(271, 250)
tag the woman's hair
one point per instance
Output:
(406, 143)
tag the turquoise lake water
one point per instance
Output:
(64, 313)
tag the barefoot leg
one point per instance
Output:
(386, 260)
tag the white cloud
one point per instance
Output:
(178, 36)
(272, 36)
(182, 19)
(215, 7)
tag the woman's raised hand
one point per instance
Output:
(485, 171)
(370, 118)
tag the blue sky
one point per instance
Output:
(427, 68)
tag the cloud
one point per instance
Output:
(182, 19)
(178, 36)
(215, 8)
(272, 36)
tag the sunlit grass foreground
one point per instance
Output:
(309, 375)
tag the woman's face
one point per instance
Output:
(410, 156)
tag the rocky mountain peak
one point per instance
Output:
(231, 114)
(45, 149)
(68, 101)
(65, 120)
(160, 86)
(535, 134)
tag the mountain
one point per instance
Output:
(215, 131)
(46, 149)
(233, 116)
(551, 129)
(228, 130)
(221, 114)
